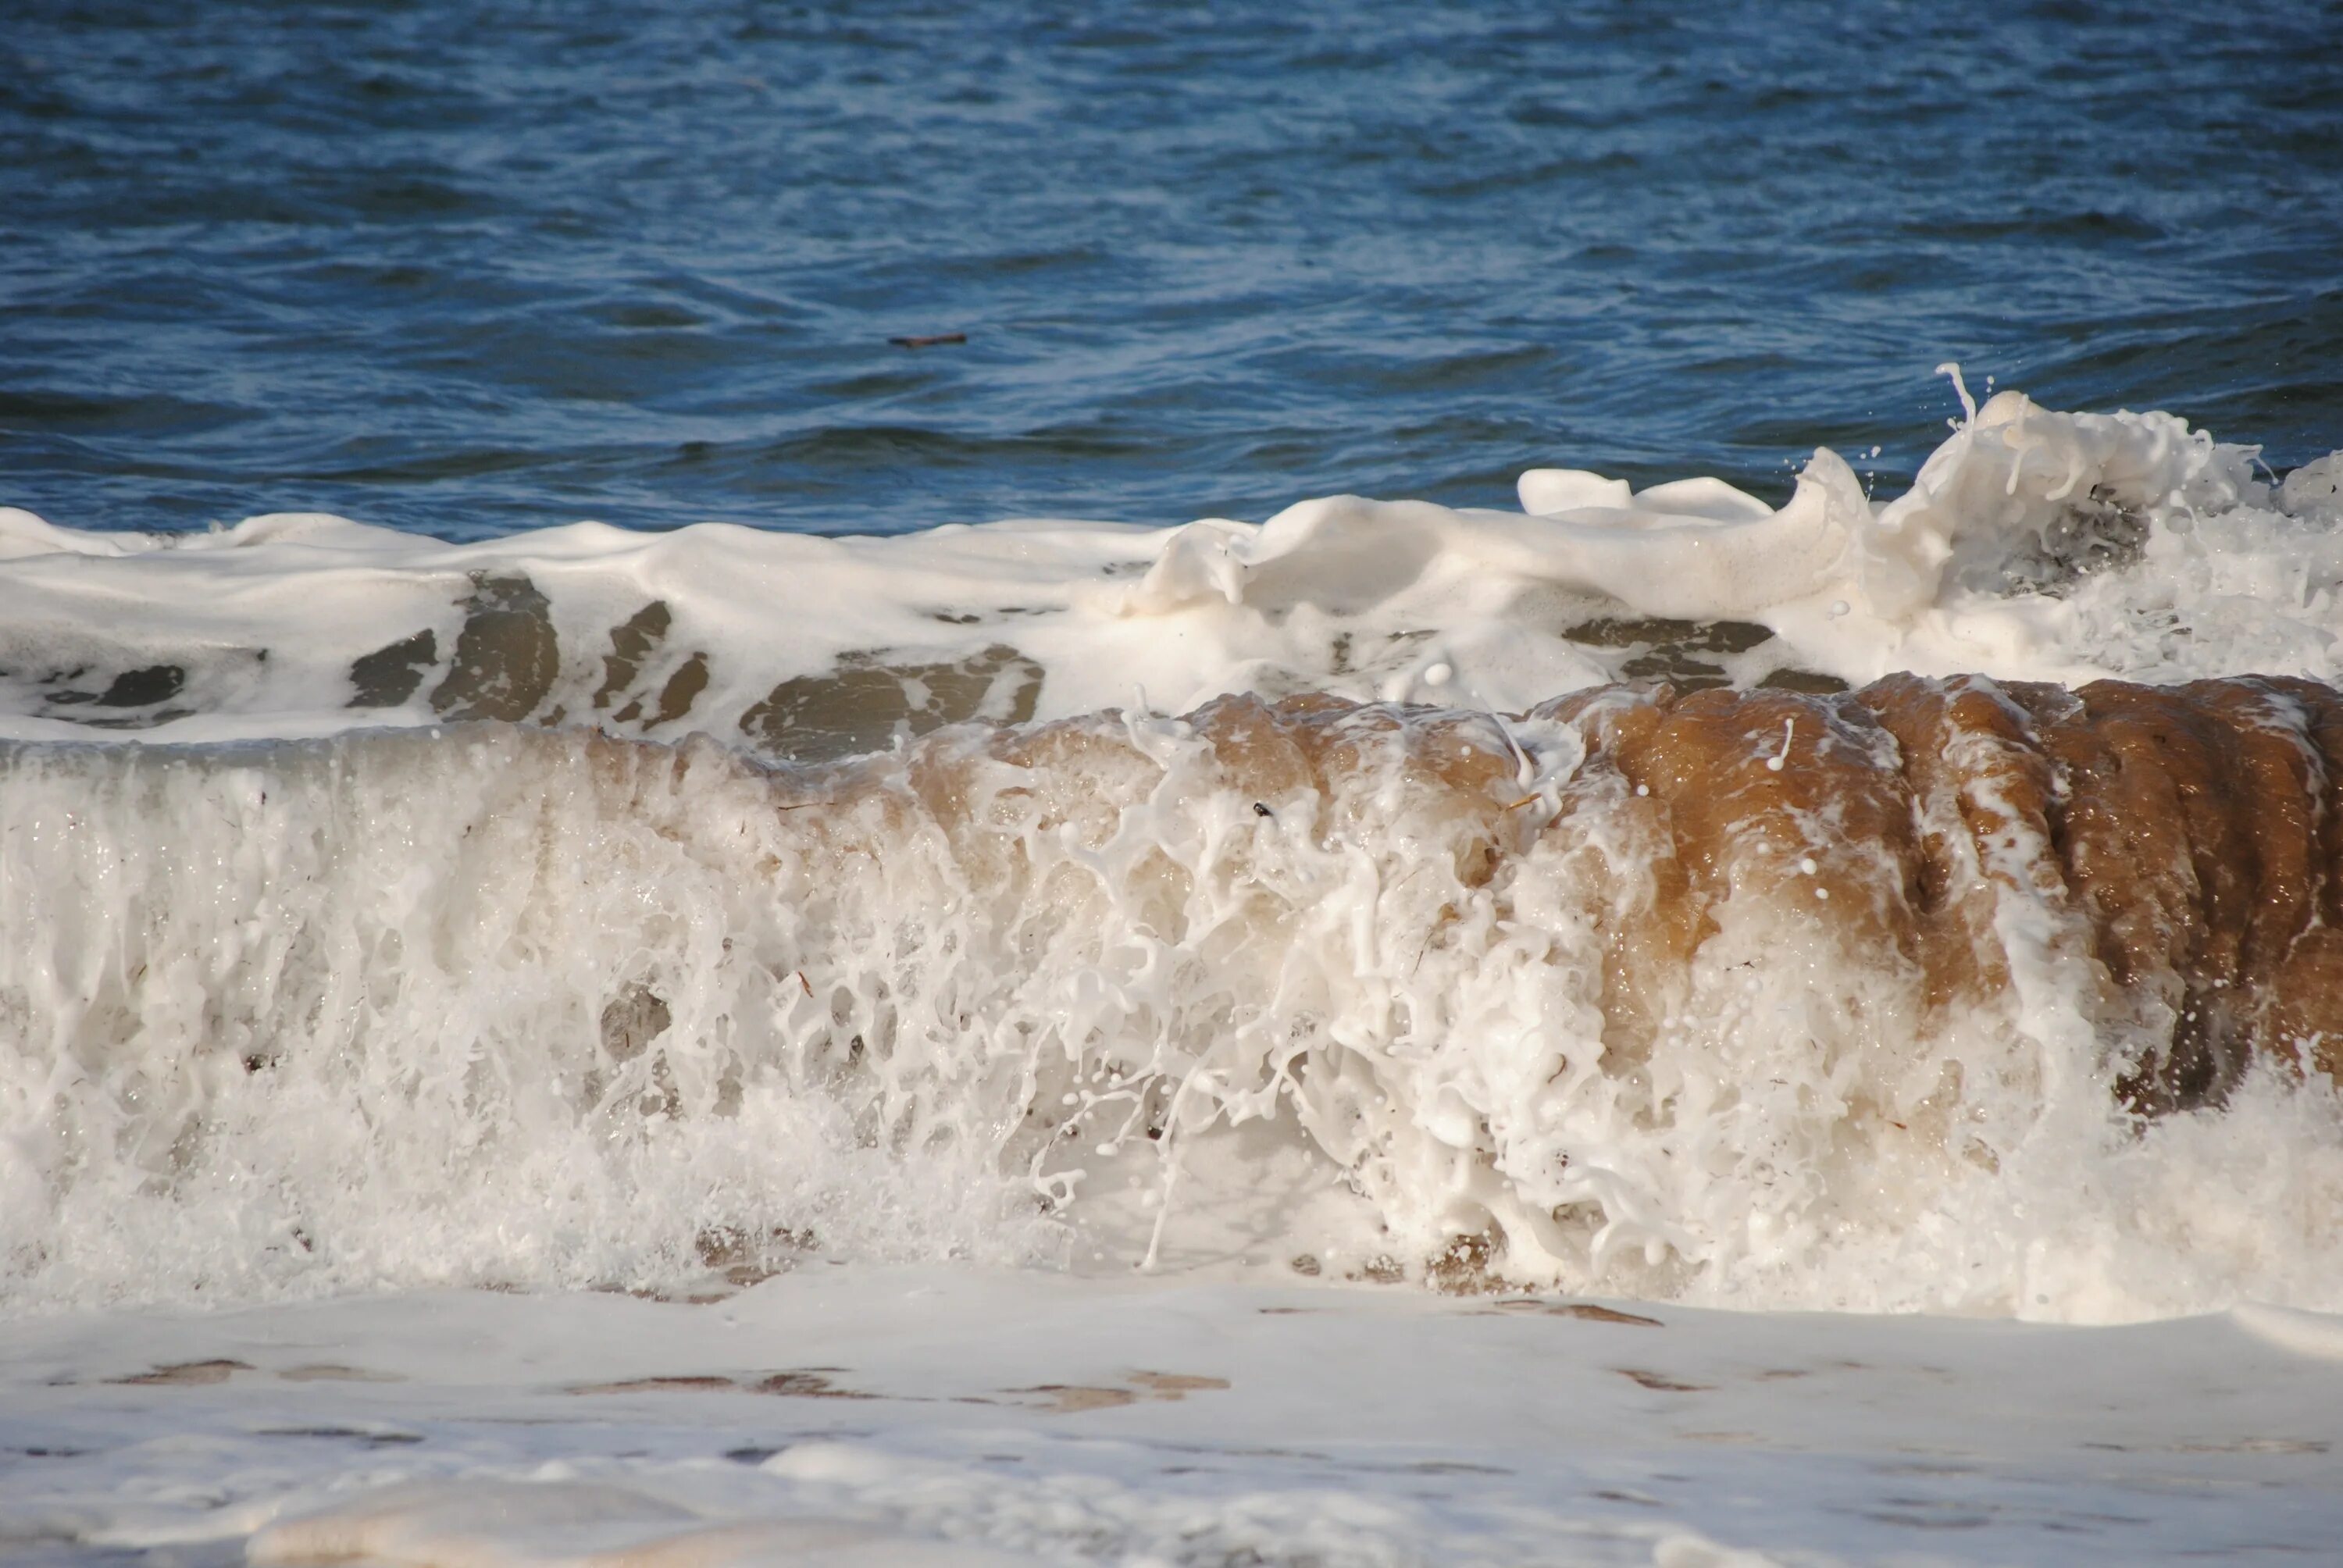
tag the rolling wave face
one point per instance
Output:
(1955, 995)
(505, 1007)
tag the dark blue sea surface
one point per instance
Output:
(468, 269)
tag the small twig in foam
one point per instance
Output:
(1789, 733)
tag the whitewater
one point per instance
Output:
(1470, 1026)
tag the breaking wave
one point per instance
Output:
(1420, 946)
(1942, 1010)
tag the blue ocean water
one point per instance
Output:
(474, 268)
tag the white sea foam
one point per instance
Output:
(1062, 1421)
(507, 1005)
(523, 1007)
(2035, 545)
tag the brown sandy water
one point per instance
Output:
(1657, 990)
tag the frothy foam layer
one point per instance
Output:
(2035, 545)
(1956, 996)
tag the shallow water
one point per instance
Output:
(468, 269)
(961, 1419)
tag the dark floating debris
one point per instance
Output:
(1587, 1311)
(751, 1455)
(186, 1374)
(1660, 1382)
(507, 656)
(144, 688)
(132, 688)
(859, 707)
(371, 1439)
(390, 676)
(932, 340)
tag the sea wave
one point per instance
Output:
(1950, 995)
(2033, 544)
(1526, 898)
